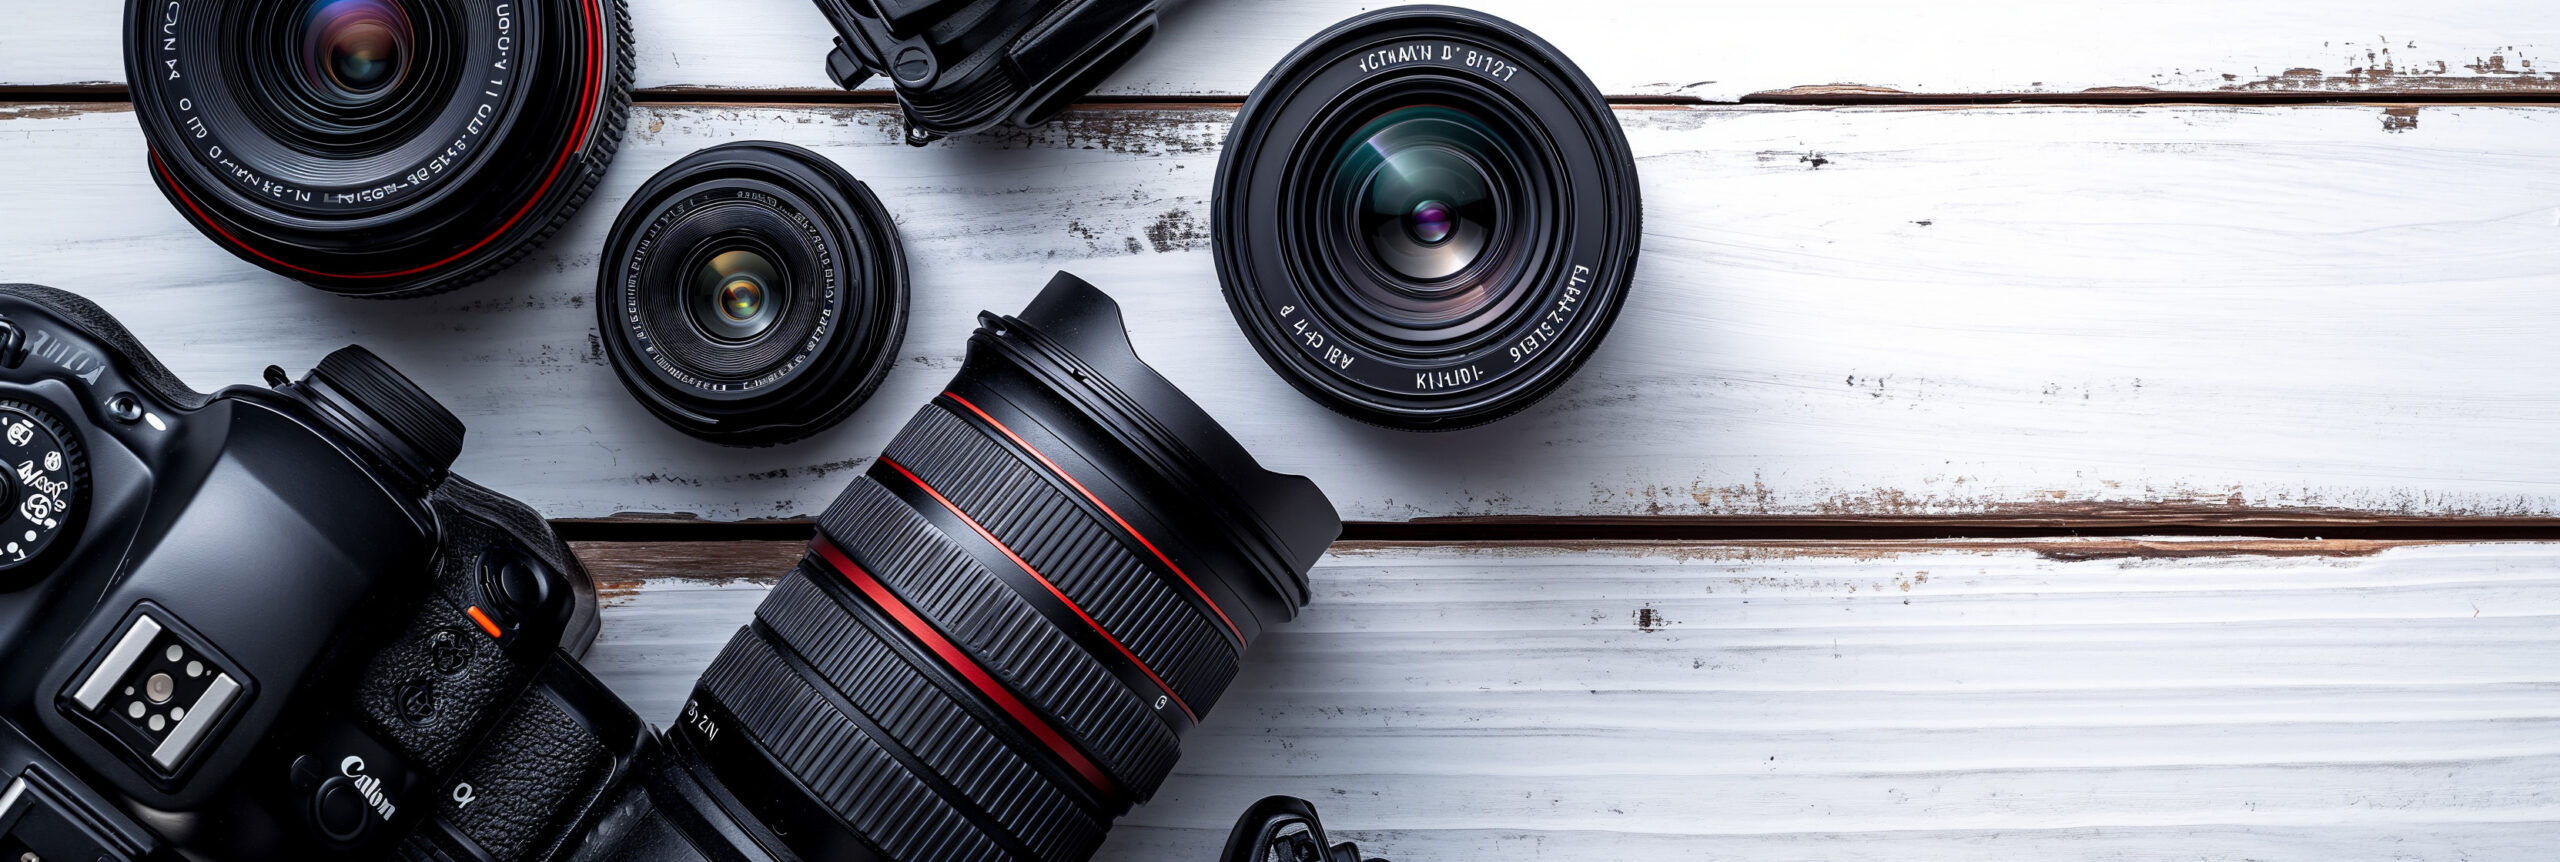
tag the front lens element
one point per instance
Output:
(1432, 222)
(1424, 190)
(356, 49)
(732, 295)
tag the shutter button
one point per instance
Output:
(523, 589)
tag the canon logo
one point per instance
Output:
(371, 787)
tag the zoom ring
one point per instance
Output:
(839, 764)
(1002, 632)
(1074, 549)
(922, 719)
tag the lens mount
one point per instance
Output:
(753, 293)
(1426, 218)
(379, 148)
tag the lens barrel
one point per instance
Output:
(379, 148)
(753, 293)
(1426, 218)
(1005, 627)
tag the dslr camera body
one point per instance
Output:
(266, 623)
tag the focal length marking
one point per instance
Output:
(1493, 66)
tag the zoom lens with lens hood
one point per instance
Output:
(379, 148)
(1005, 627)
(753, 293)
(1426, 218)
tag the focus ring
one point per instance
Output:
(1002, 632)
(925, 721)
(838, 763)
(1055, 532)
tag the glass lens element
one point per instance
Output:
(356, 49)
(1427, 205)
(732, 295)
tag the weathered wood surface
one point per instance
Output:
(2106, 699)
(2020, 312)
(1714, 51)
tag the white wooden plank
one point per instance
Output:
(1952, 312)
(1716, 51)
(1905, 701)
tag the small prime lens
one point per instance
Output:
(379, 148)
(1426, 218)
(753, 294)
(1005, 627)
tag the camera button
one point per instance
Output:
(340, 809)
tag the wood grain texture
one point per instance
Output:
(1837, 313)
(2162, 699)
(1718, 51)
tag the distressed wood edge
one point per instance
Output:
(2005, 522)
(2286, 89)
(622, 569)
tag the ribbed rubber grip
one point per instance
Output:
(836, 761)
(1058, 533)
(986, 618)
(923, 720)
(427, 430)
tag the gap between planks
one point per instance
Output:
(1811, 97)
(621, 568)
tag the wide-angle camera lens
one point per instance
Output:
(379, 148)
(1005, 627)
(1426, 218)
(753, 293)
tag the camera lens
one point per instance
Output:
(355, 49)
(1426, 218)
(730, 291)
(379, 148)
(1007, 624)
(755, 294)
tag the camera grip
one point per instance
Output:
(519, 793)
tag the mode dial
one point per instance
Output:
(46, 483)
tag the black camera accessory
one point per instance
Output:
(1285, 829)
(1005, 627)
(213, 628)
(961, 66)
(1426, 218)
(379, 148)
(752, 293)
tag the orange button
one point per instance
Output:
(486, 624)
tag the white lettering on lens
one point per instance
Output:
(1425, 381)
